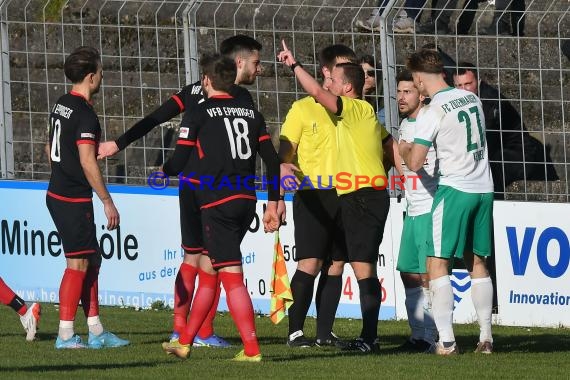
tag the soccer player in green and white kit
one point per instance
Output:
(462, 211)
(420, 189)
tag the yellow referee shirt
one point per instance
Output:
(309, 125)
(360, 137)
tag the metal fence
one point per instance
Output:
(150, 49)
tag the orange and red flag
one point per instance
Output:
(281, 296)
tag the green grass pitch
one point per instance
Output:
(535, 353)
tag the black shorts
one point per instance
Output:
(318, 228)
(364, 213)
(223, 228)
(190, 221)
(75, 224)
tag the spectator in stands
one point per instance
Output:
(508, 142)
(500, 25)
(370, 91)
(440, 18)
(404, 22)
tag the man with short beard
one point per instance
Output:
(420, 188)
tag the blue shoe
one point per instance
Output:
(74, 342)
(211, 341)
(174, 337)
(106, 340)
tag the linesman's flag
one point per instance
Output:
(281, 297)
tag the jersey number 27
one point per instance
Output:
(465, 117)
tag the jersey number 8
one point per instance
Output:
(55, 147)
(239, 139)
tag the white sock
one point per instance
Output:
(65, 330)
(442, 307)
(95, 326)
(430, 329)
(415, 310)
(482, 296)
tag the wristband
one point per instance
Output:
(281, 197)
(295, 65)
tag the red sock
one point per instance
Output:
(241, 310)
(70, 293)
(9, 298)
(201, 306)
(207, 328)
(183, 293)
(90, 292)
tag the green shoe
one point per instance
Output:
(242, 357)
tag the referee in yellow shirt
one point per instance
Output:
(361, 181)
(309, 131)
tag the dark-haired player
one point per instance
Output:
(244, 50)
(74, 135)
(231, 133)
(462, 212)
(419, 197)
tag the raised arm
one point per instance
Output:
(313, 88)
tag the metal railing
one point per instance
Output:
(150, 49)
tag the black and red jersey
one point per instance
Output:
(230, 132)
(184, 100)
(72, 121)
(190, 96)
(189, 99)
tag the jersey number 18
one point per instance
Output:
(239, 140)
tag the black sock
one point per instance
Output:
(320, 287)
(302, 285)
(328, 296)
(17, 303)
(370, 296)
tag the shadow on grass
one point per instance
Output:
(531, 343)
(82, 367)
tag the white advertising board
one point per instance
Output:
(532, 258)
(142, 257)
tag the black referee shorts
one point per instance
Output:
(318, 228)
(75, 225)
(224, 227)
(190, 221)
(364, 213)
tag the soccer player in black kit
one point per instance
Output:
(245, 51)
(74, 135)
(231, 133)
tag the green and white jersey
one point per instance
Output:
(454, 124)
(421, 185)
